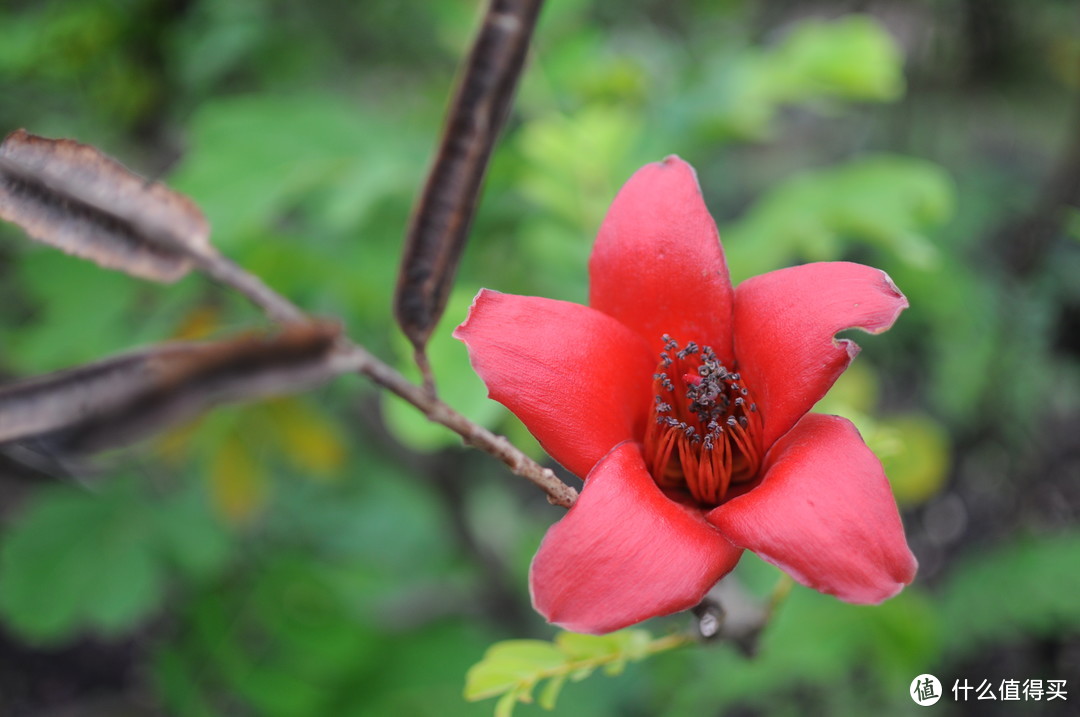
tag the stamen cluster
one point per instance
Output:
(705, 433)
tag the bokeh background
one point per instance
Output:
(334, 554)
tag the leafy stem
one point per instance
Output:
(514, 668)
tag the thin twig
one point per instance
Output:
(779, 594)
(353, 357)
(559, 493)
(426, 373)
(226, 271)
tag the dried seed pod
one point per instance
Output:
(444, 211)
(124, 398)
(73, 197)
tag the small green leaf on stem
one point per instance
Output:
(514, 668)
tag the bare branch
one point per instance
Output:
(422, 397)
(227, 272)
(74, 197)
(475, 435)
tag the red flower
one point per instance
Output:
(683, 403)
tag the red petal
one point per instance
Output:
(579, 380)
(825, 514)
(625, 552)
(658, 266)
(785, 322)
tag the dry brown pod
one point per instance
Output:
(443, 213)
(124, 398)
(73, 197)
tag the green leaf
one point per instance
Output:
(914, 450)
(574, 164)
(76, 561)
(819, 63)
(505, 706)
(550, 694)
(1035, 588)
(633, 643)
(513, 668)
(1072, 223)
(84, 312)
(856, 391)
(853, 57)
(511, 665)
(255, 157)
(191, 535)
(886, 201)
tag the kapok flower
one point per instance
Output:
(683, 403)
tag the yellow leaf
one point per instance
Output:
(237, 481)
(199, 323)
(310, 440)
(914, 451)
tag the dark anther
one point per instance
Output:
(691, 348)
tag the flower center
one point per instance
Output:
(705, 433)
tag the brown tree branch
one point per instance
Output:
(475, 435)
(228, 273)
(354, 357)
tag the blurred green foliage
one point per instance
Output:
(336, 554)
(75, 562)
